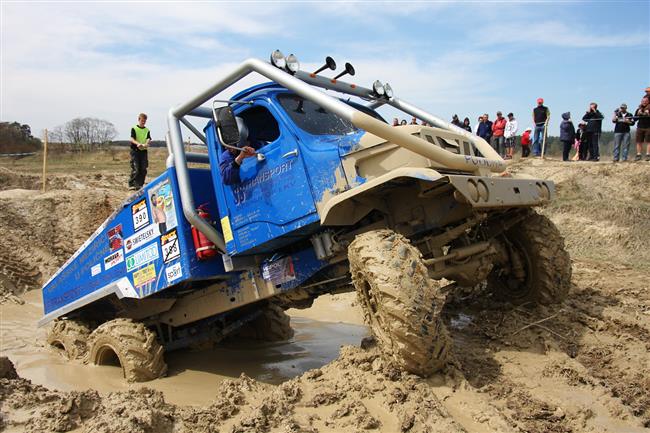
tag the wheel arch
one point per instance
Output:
(351, 206)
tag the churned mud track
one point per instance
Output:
(583, 366)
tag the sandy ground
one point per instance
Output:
(582, 367)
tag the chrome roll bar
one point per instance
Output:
(305, 84)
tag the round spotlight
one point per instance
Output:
(292, 63)
(388, 90)
(378, 88)
(277, 59)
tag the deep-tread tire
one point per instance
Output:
(401, 304)
(548, 264)
(136, 346)
(72, 335)
(273, 324)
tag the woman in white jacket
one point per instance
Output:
(509, 134)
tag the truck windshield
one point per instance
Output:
(314, 119)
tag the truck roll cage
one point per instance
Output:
(305, 85)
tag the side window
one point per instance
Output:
(262, 126)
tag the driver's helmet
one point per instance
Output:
(243, 131)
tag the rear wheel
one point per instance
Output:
(401, 304)
(70, 336)
(132, 345)
(273, 324)
(536, 268)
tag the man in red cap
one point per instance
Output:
(541, 117)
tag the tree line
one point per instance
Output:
(17, 138)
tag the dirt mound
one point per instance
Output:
(359, 391)
(602, 209)
(40, 231)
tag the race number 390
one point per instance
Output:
(140, 215)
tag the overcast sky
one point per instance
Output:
(61, 60)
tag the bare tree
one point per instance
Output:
(88, 132)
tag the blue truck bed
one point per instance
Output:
(144, 247)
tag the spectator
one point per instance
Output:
(525, 143)
(414, 121)
(455, 121)
(140, 141)
(642, 116)
(594, 119)
(581, 136)
(466, 126)
(484, 129)
(567, 135)
(576, 146)
(403, 122)
(395, 121)
(622, 120)
(509, 133)
(541, 117)
(498, 129)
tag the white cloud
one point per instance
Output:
(556, 33)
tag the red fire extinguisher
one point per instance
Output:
(203, 246)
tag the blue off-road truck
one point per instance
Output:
(330, 199)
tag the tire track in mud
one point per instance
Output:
(593, 347)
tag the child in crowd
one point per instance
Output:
(567, 135)
(525, 142)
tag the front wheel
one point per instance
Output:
(401, 304)
(535, 267)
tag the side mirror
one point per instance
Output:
(227, 128)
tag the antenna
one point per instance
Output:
(329, 64)
(349, 69)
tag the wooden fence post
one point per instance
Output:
(44, 159)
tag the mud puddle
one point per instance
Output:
(193, 375)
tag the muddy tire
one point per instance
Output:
(272, 325)
(546, 262)
(133, 345)
(71, 336)
(401, 304)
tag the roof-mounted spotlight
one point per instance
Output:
(349, 69)
(329, 64)
(378, 88)
(388, 91)
(292, 64)
(278, 60)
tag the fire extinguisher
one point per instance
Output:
(203, 246)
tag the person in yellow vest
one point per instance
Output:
(140, 140)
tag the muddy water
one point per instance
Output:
(193, 375)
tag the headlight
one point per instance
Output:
(378, 88)
(277, 59)
(292, 63)
(388, 90)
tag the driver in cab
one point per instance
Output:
(232, 159)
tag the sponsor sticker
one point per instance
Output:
(95, 269)
(115, 238)
(227, 230)
(140, 214)
(279, 271)
(113, 259)
(142, 257)
(173, 272)
(141, 238)
(169, 246)
(144, 276)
